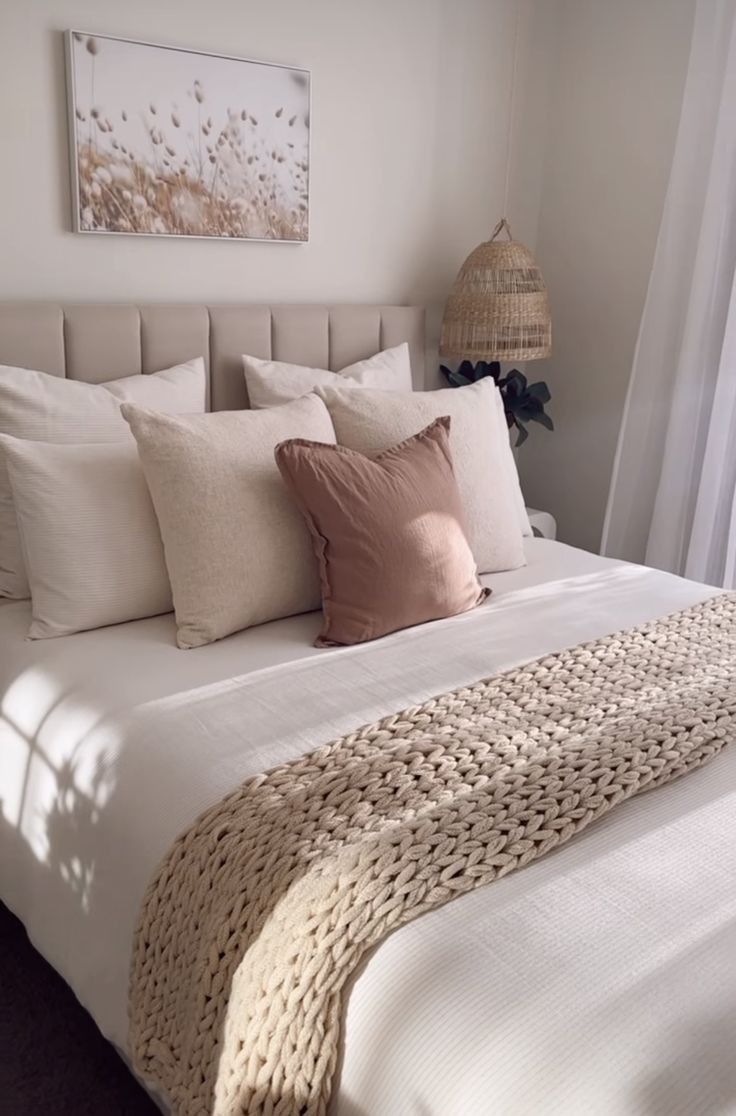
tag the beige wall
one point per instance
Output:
(614, 98)
(408, 111)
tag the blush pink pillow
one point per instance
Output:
(388, 533)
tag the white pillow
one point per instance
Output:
(45, 408)
(237, 549)
(371, 421)
(510, 470)
(271, 382)
(89, 535)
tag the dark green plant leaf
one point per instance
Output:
(517, 377)
(458, 380)
(454, 379)
(540, 391)
(468, 371)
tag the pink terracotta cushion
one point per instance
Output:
(388, 533)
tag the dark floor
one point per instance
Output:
(53, 1060)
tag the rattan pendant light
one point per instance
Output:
(498, 307)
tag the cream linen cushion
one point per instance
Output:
(45, 408)
(372, 421)
(89, 535)
(270, 382)
(237, 550)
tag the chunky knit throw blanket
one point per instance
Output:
(261, 912)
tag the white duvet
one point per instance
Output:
(599, 980)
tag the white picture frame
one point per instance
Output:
(168, 141)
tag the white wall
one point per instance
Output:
(617, 76)
(409, 117)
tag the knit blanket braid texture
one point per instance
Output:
(262, 911)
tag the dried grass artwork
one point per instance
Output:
(174, 142)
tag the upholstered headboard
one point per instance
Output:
(104, 342)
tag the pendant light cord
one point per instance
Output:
(512, 106)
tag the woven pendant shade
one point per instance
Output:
(498, 307)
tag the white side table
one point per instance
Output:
(543, 524)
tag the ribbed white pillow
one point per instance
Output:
(89, 535)
(271, 382)
(371, 421)
(237, 549)
(45, 408)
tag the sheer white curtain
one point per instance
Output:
(672, 502)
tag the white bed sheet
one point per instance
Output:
(600, 979)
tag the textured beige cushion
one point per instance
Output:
(237, 550)
(45, 408)
(89, 535)
(271, 382)
(372, 421)
(388, 533)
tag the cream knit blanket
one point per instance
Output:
(261, 912)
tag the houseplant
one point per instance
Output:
(523, 402)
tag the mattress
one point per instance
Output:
(599, 979)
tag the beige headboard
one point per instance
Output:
(104, 342)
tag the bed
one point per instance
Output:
(601, 978)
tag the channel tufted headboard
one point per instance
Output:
(104, 342)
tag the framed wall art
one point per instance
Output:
(174, 142)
